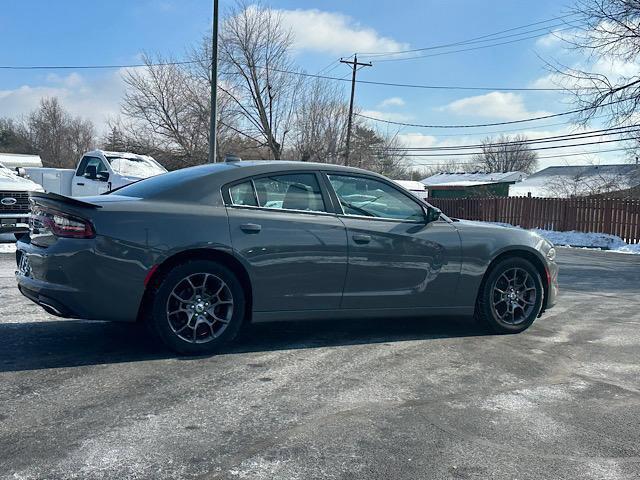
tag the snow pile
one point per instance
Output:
(586, 240)
(582, 239)
(7, 247)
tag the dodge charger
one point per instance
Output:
(197, 253)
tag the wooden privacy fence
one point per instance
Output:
(617, 216)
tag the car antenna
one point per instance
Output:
(231, 157)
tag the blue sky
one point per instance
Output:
(72, 32)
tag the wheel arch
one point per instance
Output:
(227, 259)
(527, 254)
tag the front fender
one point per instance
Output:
(483, 243)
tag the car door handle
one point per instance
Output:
(250, 228)
(361, 239)
(80, 184)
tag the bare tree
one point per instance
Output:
(320, 123)
(59, 138)
(163, 100)
(13, 138)
(255, 60)
(506, 154)
(265, 109)
(380, 153)
(230, 135)
(610, 31)
(589, 180)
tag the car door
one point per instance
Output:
(295, 249)
(83, 186)
(397, 259)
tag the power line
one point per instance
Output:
(420, 86)
(553, 147)
(471, 48)
(334, 64)
(441, 135)
(576, 154)
(94, 67)
(290, 72)
(187, 62)
(544, 31)
(541, 117)
(550, 139)
(461, 42)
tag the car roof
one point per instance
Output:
(257, 167)
(192, 181)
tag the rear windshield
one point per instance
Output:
(150, 187)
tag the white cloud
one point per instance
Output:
(551, 80)
(495, 105)
(417, 140)
(335, 33)
(96, 99)
(392, 102)
(556, 38)
(391, 116)
(614, 69)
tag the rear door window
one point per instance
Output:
(243, 194)
(296, 191)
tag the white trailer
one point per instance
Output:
(97, 172)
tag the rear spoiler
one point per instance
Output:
(34, 196)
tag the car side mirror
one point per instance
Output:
(432, 214)
(102, 176)
(91, 172)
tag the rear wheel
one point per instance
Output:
(511, 296)
(198, 307)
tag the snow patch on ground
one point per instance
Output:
(582, 239)
(7, 247)
(594, 240)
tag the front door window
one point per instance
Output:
(368, 197)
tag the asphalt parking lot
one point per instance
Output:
(370, 399)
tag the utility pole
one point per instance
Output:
(354, 65)
(213, 120)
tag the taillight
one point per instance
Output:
(60, 224)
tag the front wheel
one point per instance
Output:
(511, 296)
(198, 307)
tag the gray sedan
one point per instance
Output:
(198, 252)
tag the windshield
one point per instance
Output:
(135, 166)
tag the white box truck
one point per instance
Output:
(98, 171)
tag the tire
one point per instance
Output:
(186, 315)
(495, 306)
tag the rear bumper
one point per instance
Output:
(51, 305)
(74, 279)
(60, 300)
